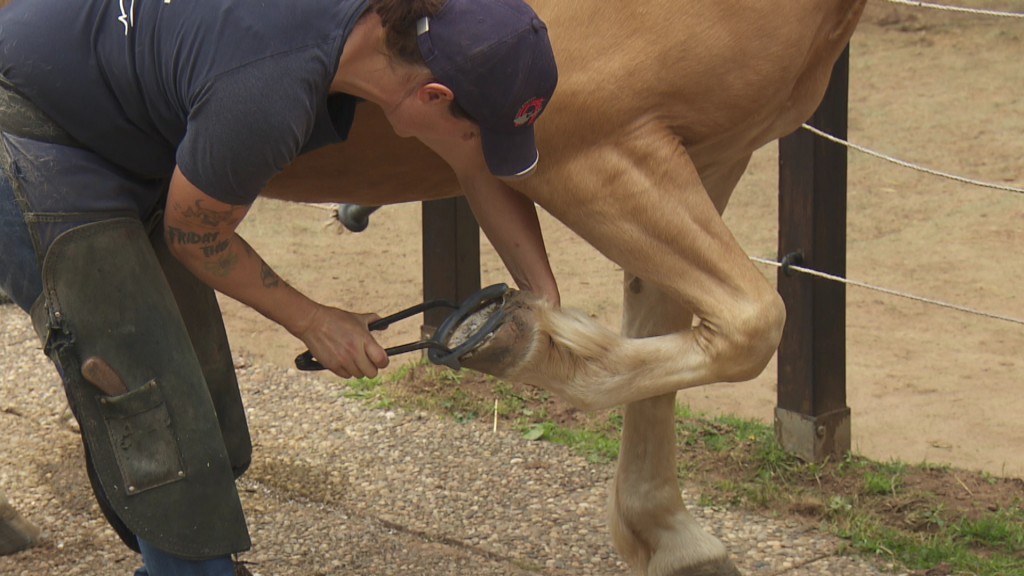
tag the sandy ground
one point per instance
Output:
(924, 383)
(341, 488)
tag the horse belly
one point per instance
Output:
(373, 167)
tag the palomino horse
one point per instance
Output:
(659, 107)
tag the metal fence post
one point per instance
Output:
(812, 419)
(451, 256)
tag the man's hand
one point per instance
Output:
(200, 232)
(341, 342)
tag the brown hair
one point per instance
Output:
(399, 18)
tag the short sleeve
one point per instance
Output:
(246, 125)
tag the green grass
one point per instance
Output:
(739, 463)
(595, 445)
(368, 390)
(961, 546)
(880, 484)
(990, 545)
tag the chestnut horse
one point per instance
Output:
(659, 106)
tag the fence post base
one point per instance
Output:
(814, 439)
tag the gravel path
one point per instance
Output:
(342, 489)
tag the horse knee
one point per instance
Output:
(752, 337)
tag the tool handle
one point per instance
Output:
(102, 375)
(307, 362)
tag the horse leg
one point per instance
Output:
(650, 525)
(642, 202)
(649, 522)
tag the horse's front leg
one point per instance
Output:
(649, 522)
(641, 201)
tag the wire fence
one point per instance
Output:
(919, 168)
(912, 166)
(961, 9)
(889, 291)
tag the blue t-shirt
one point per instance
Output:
(231, 91)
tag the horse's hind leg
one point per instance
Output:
(649, 522)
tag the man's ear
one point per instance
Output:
(435, 93)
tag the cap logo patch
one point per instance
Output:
(529, 112)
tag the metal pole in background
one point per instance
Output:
(812, 419)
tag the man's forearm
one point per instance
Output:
(227, 263)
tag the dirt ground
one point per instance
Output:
(924, 383)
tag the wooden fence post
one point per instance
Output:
(451, 256)
(812, 419)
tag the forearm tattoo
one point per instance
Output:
(221, 260)
(269, 277)
(222, 266)
(179, 236)
(212, 218)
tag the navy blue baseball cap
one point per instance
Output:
(496, 58)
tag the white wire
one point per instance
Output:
(918, 168)
(906, 164)
(933, 6)
(889, 291)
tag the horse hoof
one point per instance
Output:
(15, 532)
(505, 349)
(663, 565)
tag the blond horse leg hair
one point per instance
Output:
(649, 523)
(586, 364)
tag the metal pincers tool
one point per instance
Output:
(436, 346)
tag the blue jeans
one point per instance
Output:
(19, 269)
(62, 186)
(159, 563)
